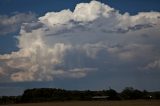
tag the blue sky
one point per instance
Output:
(96, 45)
(41, 6)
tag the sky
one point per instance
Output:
(79, 44)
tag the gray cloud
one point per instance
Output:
(73, 44)
(10, 24)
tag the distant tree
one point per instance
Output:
(8, 99)
(52, 94)
(131, 93)
(137, 94)
(112, 94)
(155, 95)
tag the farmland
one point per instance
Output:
(95, 103)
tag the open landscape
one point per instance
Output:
(95, 103)
(79, 52)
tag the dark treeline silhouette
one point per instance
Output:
(53, 94)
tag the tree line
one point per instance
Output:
(53, 94)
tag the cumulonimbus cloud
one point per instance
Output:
(59, 43)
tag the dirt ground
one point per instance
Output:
(95, 103)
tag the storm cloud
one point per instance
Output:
(74, 44)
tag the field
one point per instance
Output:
(96, 103)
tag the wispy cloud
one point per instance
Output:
(10, 24)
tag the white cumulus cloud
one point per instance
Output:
(66, 43)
